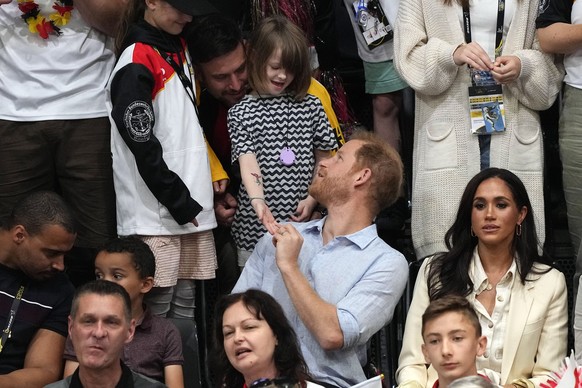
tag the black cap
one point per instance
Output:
(193, 7)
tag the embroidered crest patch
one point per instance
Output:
(139, 120)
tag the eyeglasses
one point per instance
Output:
(279, 382)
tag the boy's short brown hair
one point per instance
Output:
(448, 304)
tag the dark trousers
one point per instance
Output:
(71, 157)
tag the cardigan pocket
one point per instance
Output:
(525, 151)
(440, 148)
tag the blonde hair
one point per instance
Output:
(275, 33)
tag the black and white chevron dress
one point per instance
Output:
(263, 126)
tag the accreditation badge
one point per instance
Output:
(373, 23)
(486, 108)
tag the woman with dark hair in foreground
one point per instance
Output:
(493, 261)
(254, 341)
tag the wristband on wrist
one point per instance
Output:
(251, 199)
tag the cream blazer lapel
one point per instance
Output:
(522, 297)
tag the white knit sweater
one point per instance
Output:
(446, 154)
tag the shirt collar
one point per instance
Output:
(126, 380)
(480, 280)
(362, 238)
(316, 226)
(437, 384)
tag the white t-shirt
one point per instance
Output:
(60, 78)
(484, 22)
(573, 62)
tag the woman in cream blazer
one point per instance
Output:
(492, 260)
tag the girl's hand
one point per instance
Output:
(264, 215)
(506, 69)
(472, 54)
(304, 209)
(219, 187)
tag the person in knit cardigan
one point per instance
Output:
(431, 55)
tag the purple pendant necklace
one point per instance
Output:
(286, 156)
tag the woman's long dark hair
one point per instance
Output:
(448, 272)
(288, 358)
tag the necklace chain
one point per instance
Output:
(45, 26)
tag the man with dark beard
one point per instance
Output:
(337, 281)
(36, 294)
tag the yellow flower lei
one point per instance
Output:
(39, 24)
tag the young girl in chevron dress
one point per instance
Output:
(278, 134)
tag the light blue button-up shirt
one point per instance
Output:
(360, 274)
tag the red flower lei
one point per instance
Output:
(38, 24)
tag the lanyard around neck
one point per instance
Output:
(6, 333)
(498, 29)
(179, 69)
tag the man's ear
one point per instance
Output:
(425, 353)
(131, 331)
(147, 284)
(18, 234)
(364, 175)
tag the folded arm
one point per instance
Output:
(43, 362)
(560, 38)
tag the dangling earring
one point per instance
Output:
(518, 230)
(473, 233)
